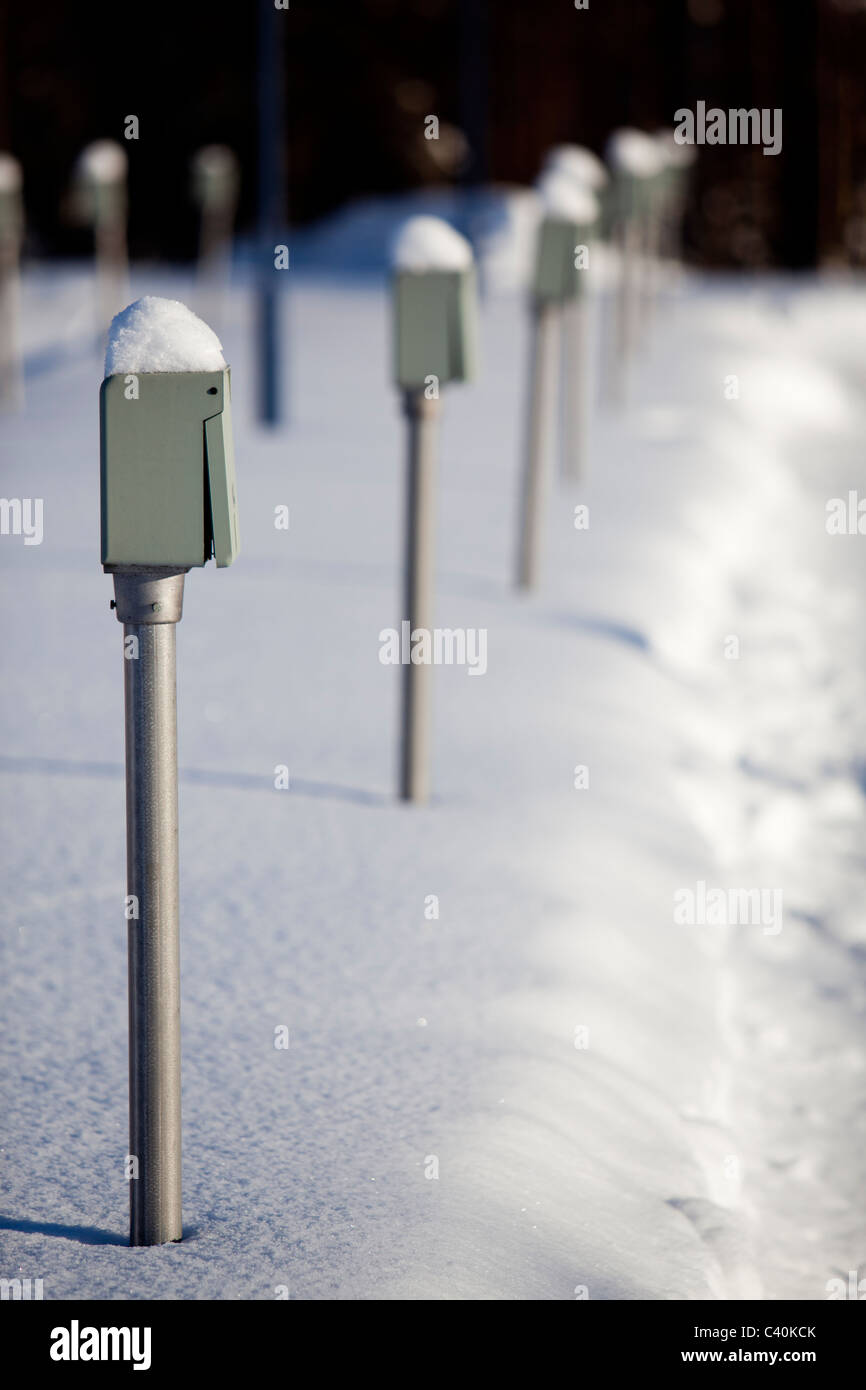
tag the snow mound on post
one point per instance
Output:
(102, 162)
(565, 200)
(428, 243)
(632, 152)
(215, 161)
(161, 335)
(10, 174)
(675, 155)
(578, 163)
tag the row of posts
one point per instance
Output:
(151, 469)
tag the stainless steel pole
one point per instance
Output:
(149, 604)
(422, 415)
(541, 389)
(11, 386)
(628, 239)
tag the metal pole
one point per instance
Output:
(623, 341)
(271, 205)
(575, 387)
(149, 604)
(422, 415)
(112, 257)
(545, 336)
(11, 385)
(650, 243)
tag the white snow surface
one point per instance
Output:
(632, 152)
(430, 243)
(613, 1101)
(563, 198)
(578, 163)
(10, 173)
(102, 162)
(161, 335)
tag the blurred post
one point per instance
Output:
(558, 301)
(11, 236)
(271, 136)
(215, 182)
(651, 215)
(576, 371)
(634, 160)
(100, 194)
(421, 414)
(679, 161)
(576, 168)
(435, 311)
(542, 384)
(473, 77)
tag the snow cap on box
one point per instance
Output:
(565, 200)
(632, 152)
(10, 174)
(102, 162)
(577, 163)
(215, 161)
(161, 335)
(428, 243)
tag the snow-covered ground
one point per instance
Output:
(619, 1106)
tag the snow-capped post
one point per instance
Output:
(99, 186)
(569, 211)
(165, 410)
(11, 234)
(584, 170)
(435, 312)
(215, 183)
(678, 162)
(635, 160)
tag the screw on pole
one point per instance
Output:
(545, 341)
(422, 415)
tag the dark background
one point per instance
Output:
(507, 79)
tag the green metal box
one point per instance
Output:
(556, 275)
(11, 216)
(435, 326)
(167, 469)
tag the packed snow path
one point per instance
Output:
(618, 1106)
